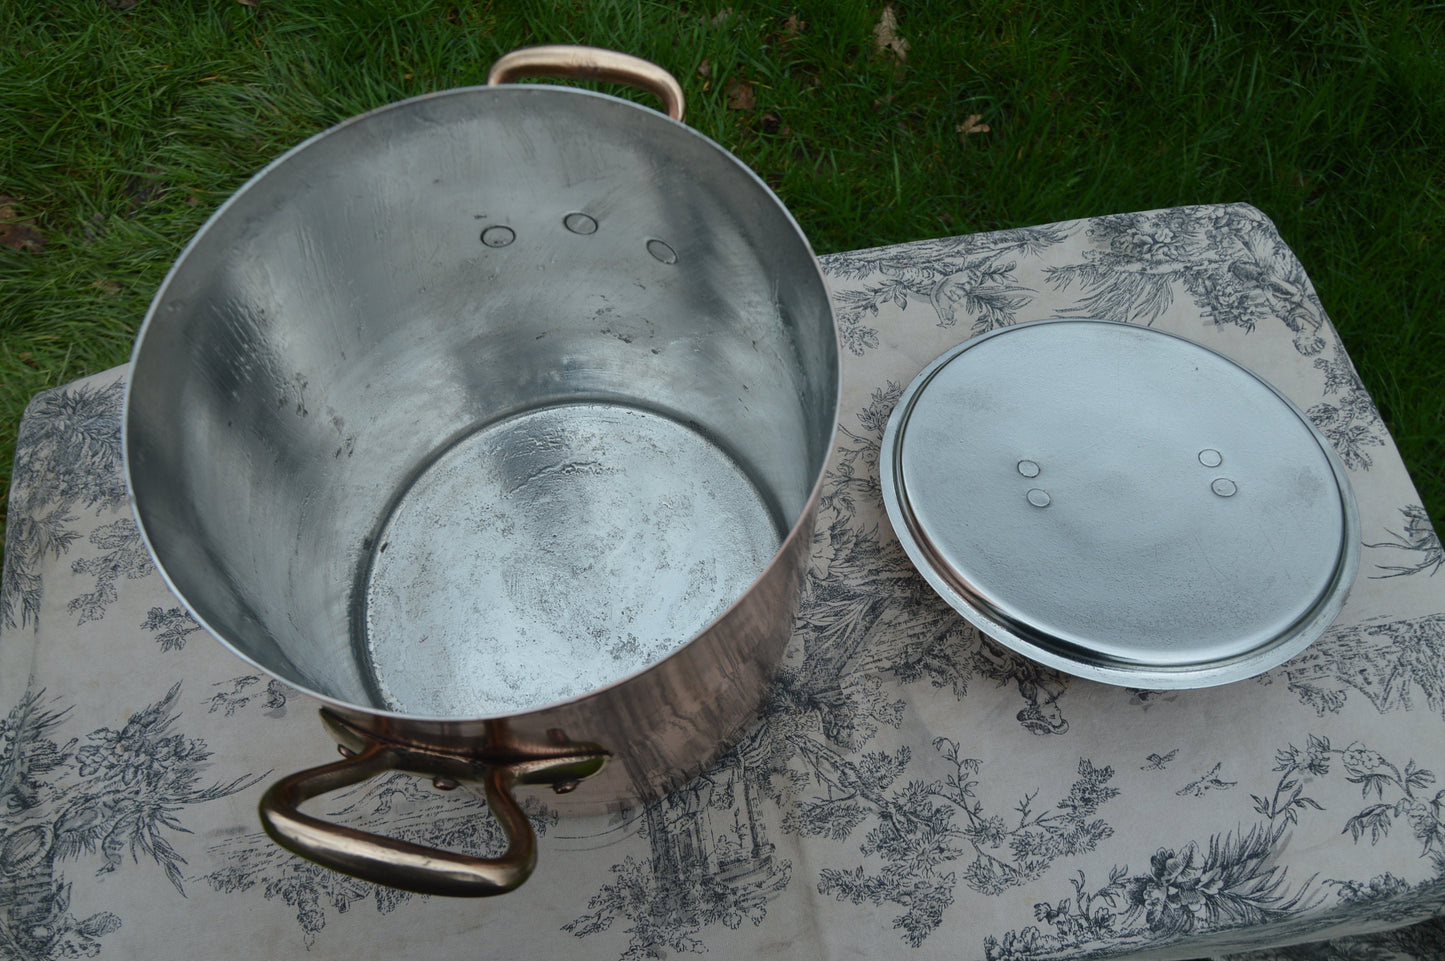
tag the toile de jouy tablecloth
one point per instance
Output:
(913, 789)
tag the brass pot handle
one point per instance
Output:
(590, 63)
(413, 867)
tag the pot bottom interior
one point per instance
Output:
(554, 552)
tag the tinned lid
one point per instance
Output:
(1120, 503)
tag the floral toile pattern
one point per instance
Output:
(117, 553)
(968, 276)
(113, 795)
(873, 797)
(711, 863)
(1347, 417)
(1392, 664)
(1235, 880)
(67, 463)
(171, 626)
(1229, 261)
(1414, 549)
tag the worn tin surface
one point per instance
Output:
(1120, 503)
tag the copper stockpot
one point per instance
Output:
(495, 420)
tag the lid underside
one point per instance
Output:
(1120, 503)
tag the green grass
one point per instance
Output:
(124, 129)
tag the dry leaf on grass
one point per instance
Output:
(887, 37)
(772, 125)
(741, 95)
(16, 232)
(972, 125)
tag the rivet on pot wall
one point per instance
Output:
(498, 235)
(662, 252)
(580, 223)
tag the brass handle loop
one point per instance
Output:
(402, 864)
(590, 63)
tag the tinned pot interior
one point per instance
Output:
(476, 362)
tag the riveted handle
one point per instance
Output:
(402, 864)
(590, 63)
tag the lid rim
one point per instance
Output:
(1068, 654)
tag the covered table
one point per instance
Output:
(913, 788)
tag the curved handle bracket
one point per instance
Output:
(414, 867)
(590, 63)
